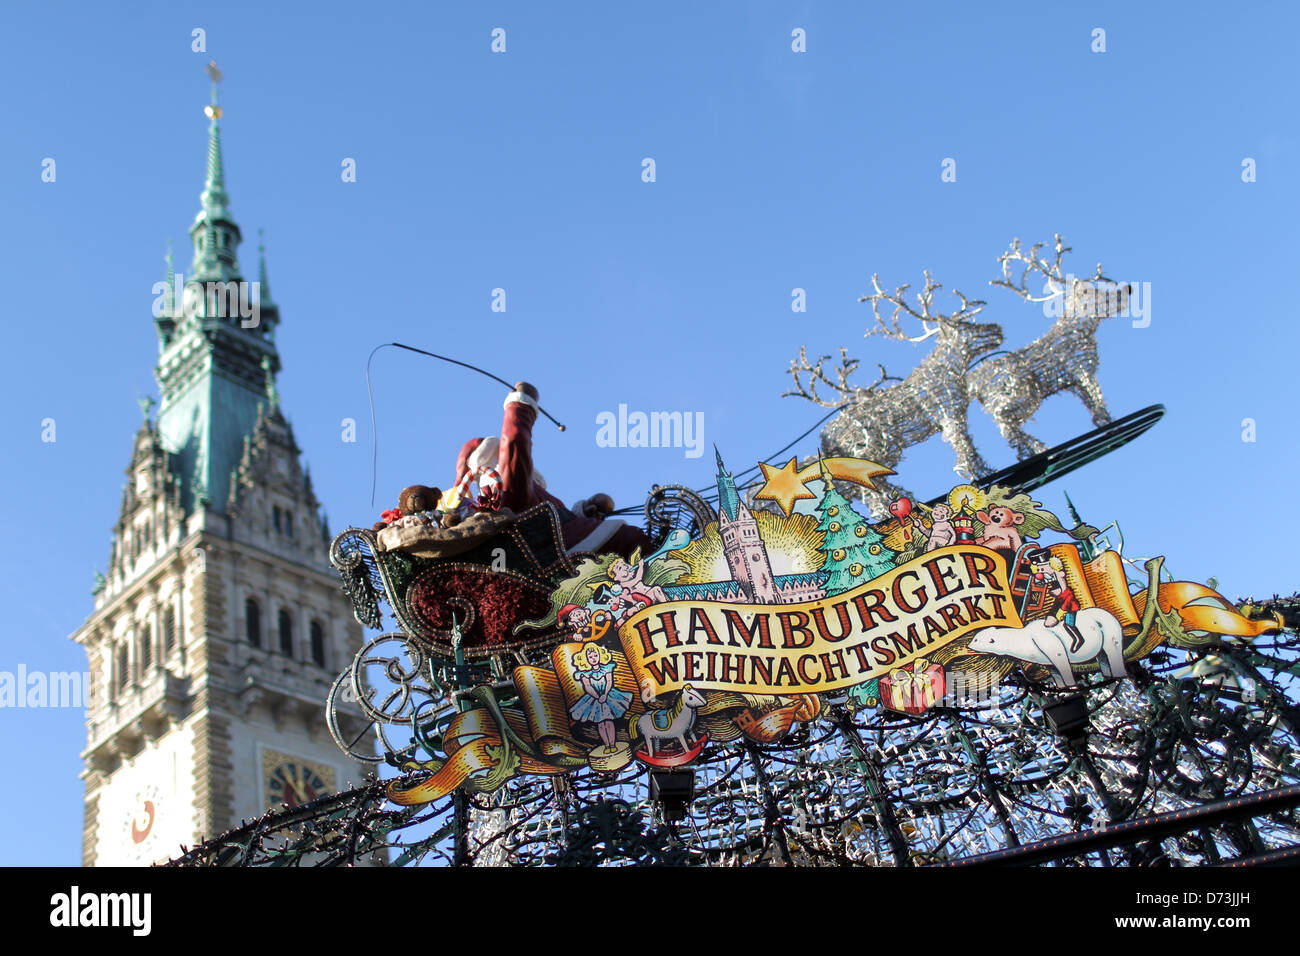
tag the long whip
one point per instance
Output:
(370, 394)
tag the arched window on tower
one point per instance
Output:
(253, 622)
(145, 653)
(276, 511)
(317, 644)
(169, 630)
(286, 633)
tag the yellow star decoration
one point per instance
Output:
(785, 485)
(789, 483)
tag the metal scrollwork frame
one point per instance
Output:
(673, 507)
(1190, 761)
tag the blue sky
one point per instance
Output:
(522, 170)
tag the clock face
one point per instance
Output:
(294, 781)
(142, 823)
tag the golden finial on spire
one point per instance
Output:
(213, 111)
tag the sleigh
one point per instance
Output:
(467, 593)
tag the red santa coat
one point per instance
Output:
(520, 488)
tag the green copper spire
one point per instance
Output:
(269, 310)
(1073, 514)
(1087, 548)
(728, 497)
(263, 284)
(165, 313)
(218, 361)
(214, 197)
(215, 234)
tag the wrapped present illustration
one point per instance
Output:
(913, 690)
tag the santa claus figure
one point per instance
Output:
(503, 467)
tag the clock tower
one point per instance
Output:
(219, 625)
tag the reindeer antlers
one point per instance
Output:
(969, 309)
(1057, 281)
(930, 322)
(816, 374)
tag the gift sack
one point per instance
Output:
(432, 541)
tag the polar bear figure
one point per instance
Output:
(1036, 643)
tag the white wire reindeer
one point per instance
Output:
(880, 422)
(1012, 387)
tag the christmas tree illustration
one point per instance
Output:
(855, 551)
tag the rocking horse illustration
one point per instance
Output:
(670, 723)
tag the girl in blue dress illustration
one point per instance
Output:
(602, 703)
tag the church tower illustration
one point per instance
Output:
(741, 543)
(219, 625)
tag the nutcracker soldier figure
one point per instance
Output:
(1049, 574)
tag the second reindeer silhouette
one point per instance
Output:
(880, 422)
(1013, 386)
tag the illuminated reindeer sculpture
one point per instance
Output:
(1011, 387)
(880, 422)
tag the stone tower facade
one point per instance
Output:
(219, 624)
(742, 544)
